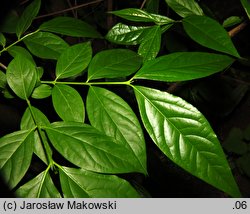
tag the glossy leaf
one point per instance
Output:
(3, 80)
(16, 151)
(181, 66)
(209, 33)
(27, 17)
(231, 21)
(45, 45)
(18, 50)
(73, 60)
(21, 76)
(151, 44)
(113, 116)
(41, 186)
(127, 35)
(138, 15)
(2, 40)
(246, 5)
(27, 122)
(90, 149)
(41, 92)
(185, 8)
(70, 26)
(68, 103)
(79, 183)
(185, 136)
(114, 63)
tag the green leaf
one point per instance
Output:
(231, 21)
(127, 35)
(9, 23)
(183, 66)
(79, 183)
(21, 76)
(246, 5)
(209, 33)
(68, 103)
(45, 45)
(243, 163)
(246, 133)
(73, 60)
(2, 40)
(111, 115)
(90, 149)
(137, 15)
(152, 6)
(185, 8)
(185, 136)
(27, 17)
(18, 50)
(114, 63)
(42, 91)
(16, 151)
(70, 27)
(27, 122)
(3, 80)
(151, 44)
(41, 186)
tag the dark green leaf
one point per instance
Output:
(27, 17)
(127, 35)
(2, 40)
(185, 136)
(114, 63)
(68, 103)
(246, 5)
(3, 80)
(183, 66)
(152, 6)
(18, 50)
(90, 149)
(9, 23)
(21, 76)
(41, 186)
(246, 133)
(185, 8)
(70, 27)
(73, 60)
(45, 45)
(243, 163)
(16, 151)
(41, 92)
(231, 21)
(209, 33)
(79, 183)
(137, 15)
(151, 44)
(113, 116)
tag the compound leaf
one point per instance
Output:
(80, 183)
(68, 103)
(114, 63)
(185, 136)
(113, 116)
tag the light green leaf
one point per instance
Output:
(42, 91)
(90, 149)
(45, 45)
(16, 151)
(151, 44)
(3, 80)
(137, 15)
(231, 21)
(27, 17)
(183, 66)
(73, 60)
(68, 103)
(27, 122)
(127, 35)
(209, 33)
(185, 8)
(21, 76)
(114, 63)
(41, 186)
(111, 115)
(18, 50)
(246, 5)
(71, 27)
(2, 40)
(79, 183)
(185, 136)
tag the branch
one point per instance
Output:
(237, 29)
(143, 4)
(3, 66)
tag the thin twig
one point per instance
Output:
(110, 16)
(69, 9)
(3, 66)
(70, 5)
(143, 4)
(237, 29)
